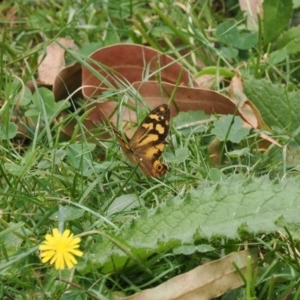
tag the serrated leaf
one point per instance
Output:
(278, 107)
(226, 130)
(277, 15)
(190, 249)
(220, 209)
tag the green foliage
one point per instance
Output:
(228, 33)
(79, 156)
(230, 129)
(231, 208)
(149, 230)
(277, 15)
(190, 121)
(290, 40)
(278, 107)
(43, 103)
(8, 131)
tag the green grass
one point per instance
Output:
(132, 226)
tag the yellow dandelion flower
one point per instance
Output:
(60, 249)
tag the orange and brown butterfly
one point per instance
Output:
(148, 142)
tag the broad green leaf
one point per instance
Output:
(190, 121)
(124, 203)
(44, 164)
(25, 97)
(296, 4)
(278, 56)
(227, 33)
(220, 209)
(216, 175)
(181, 155)
(68, 212)
(246, 40)
(31, 112)
(278, 107)
(229, 52)
(52, 157)
(13, 169)
(290, 41)
(8, 132)
(88, 49)
(45, 98)
(12, 88)
(79, 156)
(226, 130)
(277, 15)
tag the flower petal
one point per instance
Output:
(59, 249)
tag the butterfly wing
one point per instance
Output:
(148, 142)
(124, 145)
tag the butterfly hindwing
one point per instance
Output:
(148, 142)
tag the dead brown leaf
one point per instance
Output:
(122, 64)
(53, 62)
(140, 67)
(252, 9)
(207, 81)
(247, 109)
(215, 150)
(67, 81)
(202, 283)
(156, 76)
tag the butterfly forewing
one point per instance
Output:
(124, 145)
(153, 130)
(148, 142)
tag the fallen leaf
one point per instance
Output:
(252, 9)
(67, 81)
(53, 62)
(207, 81)
(157, 77)
(247, 109)
(204, 282)
(119, 65)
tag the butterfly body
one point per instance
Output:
(148, 142)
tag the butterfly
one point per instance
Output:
(148, 142)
